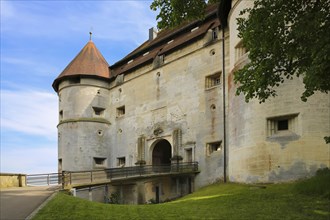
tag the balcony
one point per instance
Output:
(72, 179)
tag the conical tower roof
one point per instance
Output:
(88, 62)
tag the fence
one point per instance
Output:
(108, 175)
(43, 179)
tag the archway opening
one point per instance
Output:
(162, 153)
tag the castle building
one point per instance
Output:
(163, 104)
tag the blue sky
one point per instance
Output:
(38, 40)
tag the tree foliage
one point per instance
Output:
(285, 39)
(174, 12)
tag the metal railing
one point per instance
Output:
(108, 175)
(43, 179)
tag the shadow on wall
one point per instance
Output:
(298, 170)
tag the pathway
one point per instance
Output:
(19, 202)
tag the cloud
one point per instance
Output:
(110, 20)
(30, 160)
(29, 112)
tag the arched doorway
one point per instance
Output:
(162, 153)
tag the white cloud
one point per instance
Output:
(29, 112)
(29, 160)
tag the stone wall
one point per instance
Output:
(12, 180)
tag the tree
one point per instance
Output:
(175, 12)
(285, 39)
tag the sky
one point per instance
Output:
(38, 40)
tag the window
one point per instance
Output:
(121, 111)
(158, 61)
(188, 155)
(141, 148)
(282, 125)
(212, 80)
(240, 51)
(213, 147)
(61, 115)
(98, 111)
(60, 165)
(121, 161)
(74, 80)
(214, 34)
(194, 29)
(99, 161)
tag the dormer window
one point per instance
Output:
(214, 34)
(194, 29)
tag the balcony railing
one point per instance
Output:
(80, 178)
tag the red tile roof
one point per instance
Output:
(181, 36)
(88, 62)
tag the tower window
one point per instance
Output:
(121, 111)
(61, 115)
(240, 51)
(99, 161)
(98, 111)
(74, 80)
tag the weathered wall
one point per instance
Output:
(256, 153)
(82, 134)
(171, 97)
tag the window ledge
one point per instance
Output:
(283, 136)
(211, 88)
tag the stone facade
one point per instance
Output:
(165, 101)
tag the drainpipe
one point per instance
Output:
(223, 11)
(224, 107)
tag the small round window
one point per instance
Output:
(212, 52)
(213, 107)
(100, 133)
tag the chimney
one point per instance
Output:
(152, 33)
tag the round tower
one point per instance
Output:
(83, 129)
(281, 139)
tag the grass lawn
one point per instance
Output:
(218, 201)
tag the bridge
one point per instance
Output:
(72, 179)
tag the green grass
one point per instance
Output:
(218, 201)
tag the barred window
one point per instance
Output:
(212, 80)
(282, 124)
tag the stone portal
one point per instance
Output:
(162, 153)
